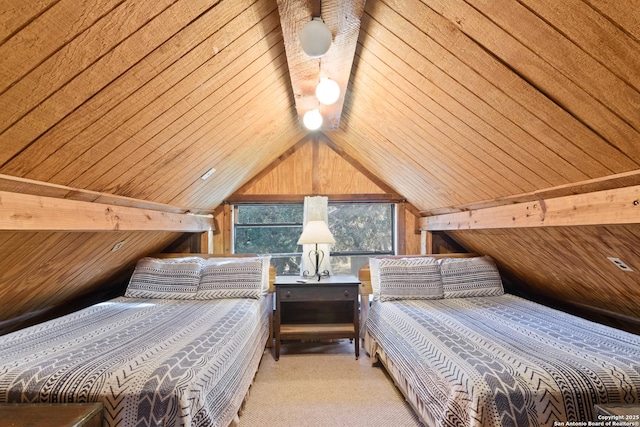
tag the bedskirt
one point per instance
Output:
(150, 362)
(502, 361)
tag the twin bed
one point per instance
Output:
(181, 347)
(465, 354)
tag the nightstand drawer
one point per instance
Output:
(317, 293)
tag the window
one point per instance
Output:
(361, 230)
(270, 229)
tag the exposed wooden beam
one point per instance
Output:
(27, 212)
(624, 179)
(616, 206)
(343, 19)
(299, 198)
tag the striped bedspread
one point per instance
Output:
(505, 361)
(150, 361)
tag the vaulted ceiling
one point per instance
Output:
(451, 103)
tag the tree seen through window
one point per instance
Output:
(360, 229)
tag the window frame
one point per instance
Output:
(234, 221)
(393, 220)
(393, 209)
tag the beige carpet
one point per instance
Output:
(322, 384)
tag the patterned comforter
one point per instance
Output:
(150, 361)
(505, 361)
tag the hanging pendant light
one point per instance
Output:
(312, 119)
(315, 38)
(327, 91)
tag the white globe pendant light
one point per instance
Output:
(312, 119)
(315, 38)
(327, 91)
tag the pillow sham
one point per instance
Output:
(374, 271)
(409, 278)
(470, 277)
(231, 278)
(266, 265)
(171, 278)
(265, 260)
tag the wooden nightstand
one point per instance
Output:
(317, 309)
(51, 414)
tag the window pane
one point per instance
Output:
(286, 264)
(348, 265)
(269, 214)
(360, 227)
(360, 230)
(267, 240)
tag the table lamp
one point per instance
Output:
(315, 233)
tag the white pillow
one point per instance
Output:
(374, 271)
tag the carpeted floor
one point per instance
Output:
(323, 385)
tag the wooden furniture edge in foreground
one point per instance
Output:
(48, 414)
(364, 274)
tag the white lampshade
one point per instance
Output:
(316, 232)
(315, 38)
(312, 119)
(327, 91)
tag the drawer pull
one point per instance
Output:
(288, 294)
(346, 293)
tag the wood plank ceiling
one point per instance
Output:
(452, 103)
(118, 96)
(479, 100)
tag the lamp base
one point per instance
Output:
(319, 275)
(319, 256)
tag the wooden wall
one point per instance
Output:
(43, 272)
(568, 267)
(314, 166)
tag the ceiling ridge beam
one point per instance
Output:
(343, 18)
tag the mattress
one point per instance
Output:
(149, 361)
(502, 361)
